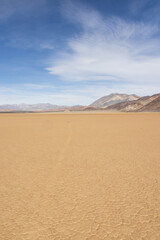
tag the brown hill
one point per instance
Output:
(113, 99)
(153, 106)
(89, 108)
(147, 103)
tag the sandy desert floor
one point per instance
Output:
(80, 176)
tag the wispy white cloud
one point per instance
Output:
(10, 8)
(34, 93)
(108, 49)
(18, 13)
(21, 41)
(32, 86)
(68, 95)
(137, 5)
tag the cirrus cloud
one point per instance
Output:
(108, 48)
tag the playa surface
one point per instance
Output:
(80, 176)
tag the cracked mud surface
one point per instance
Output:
(80, 176)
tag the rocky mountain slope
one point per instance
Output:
(148, 103)
(113, 99)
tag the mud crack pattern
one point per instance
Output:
(80, 177)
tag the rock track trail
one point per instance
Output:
(80, 176)
(67, 141)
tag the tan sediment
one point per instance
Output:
(80, 176)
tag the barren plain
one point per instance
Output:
(80, 176)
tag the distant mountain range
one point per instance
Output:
(112, 102)
(39, 107)
(31, 107)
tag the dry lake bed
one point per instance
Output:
(80, 176)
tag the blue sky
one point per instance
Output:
(73, 52)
